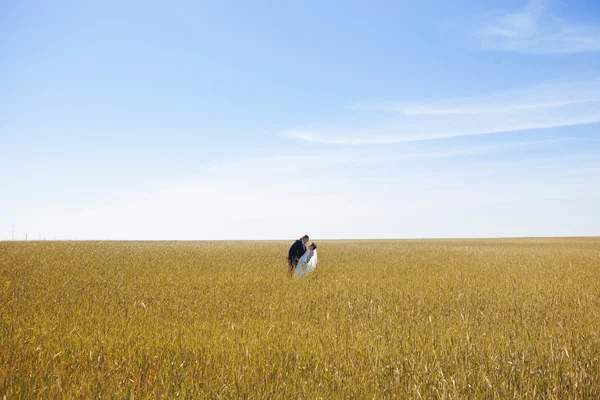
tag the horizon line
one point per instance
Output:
(324, 239)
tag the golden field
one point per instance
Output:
(514, 318)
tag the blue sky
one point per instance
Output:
(253, 120)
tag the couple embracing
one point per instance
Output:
(300, 260)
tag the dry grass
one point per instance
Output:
(430, 319)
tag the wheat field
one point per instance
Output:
(448, 319)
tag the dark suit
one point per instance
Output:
(296, 251)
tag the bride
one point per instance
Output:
(308, 261)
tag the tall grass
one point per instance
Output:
(413, 319)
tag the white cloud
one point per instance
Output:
(549, 105)
(535, 30)
(273, 198)
(548, 95)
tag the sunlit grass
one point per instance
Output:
(430, 319)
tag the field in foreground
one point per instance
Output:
(430, 319)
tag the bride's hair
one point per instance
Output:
(313, 246)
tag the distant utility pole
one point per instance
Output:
(25, 236)
(13, 232)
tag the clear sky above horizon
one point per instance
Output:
(253, 120)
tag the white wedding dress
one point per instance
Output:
(307, 263)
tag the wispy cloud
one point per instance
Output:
(549, 105)
(534, 97)
(536, 30)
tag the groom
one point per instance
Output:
(295, 252)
